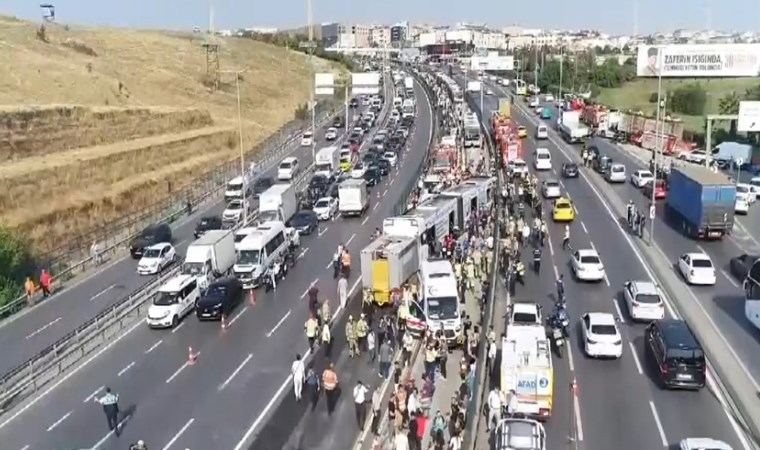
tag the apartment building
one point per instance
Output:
(345, 35)
(380, 36)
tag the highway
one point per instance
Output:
(23, 336)
(619, 404)
(239, 376)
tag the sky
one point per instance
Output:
(609, 16)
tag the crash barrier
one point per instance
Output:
(209, 188)
(479, 388)
(402, 204)
(62, 356)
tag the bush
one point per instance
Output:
(690, 100)
(301, 112)
(653, 97)
(15, 264)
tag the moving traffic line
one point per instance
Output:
(124, 370)
(59, 421)
(179, 433)
(43, 328)
(277, 325)
(236, 371)
(94, 297)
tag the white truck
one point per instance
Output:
(474, 86)
(471, 130)
(407, 109)
(235, 187)
(571, 128)
(409, 86)
(353, 198)
(278, 203)
(327, 162)
(211, 256)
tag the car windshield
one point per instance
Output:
(701, 263)
(301, 218)
(359, 166)
(742, 189)
(152, 253)
(165, 298)
(590, 259)
(240, 236)
(562, 205)
(323, 203)
(645, 174)
(235, 204)
(571, 166)
(618, 169)
(551, 184)
(604, 330)
(442, 308)
(206, 221)
(652, 299)
(248, 257)
(285, 165)
(543, 155)
(389, 155)
(217, 290)
(518, 164)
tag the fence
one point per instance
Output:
(111, 237)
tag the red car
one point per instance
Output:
(660, 190)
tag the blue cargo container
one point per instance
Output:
(700, 202)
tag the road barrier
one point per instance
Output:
(114, 243)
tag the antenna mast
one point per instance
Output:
(212, 50)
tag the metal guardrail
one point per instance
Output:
(21, 302)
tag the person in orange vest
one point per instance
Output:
(345, 263)
(330, 384)
(45, 281)
(29, 288)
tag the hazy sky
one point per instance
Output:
(610, 16)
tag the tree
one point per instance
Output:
(689, 99)
(729, 105)
(15, 264)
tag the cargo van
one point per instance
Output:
(258, 250)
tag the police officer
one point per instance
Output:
(362, 328)
(325, 313)
(311, 327)
(520, 271)
(353, 346)
(110, 403)
(537, 260)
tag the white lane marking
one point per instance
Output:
(306, 292)
(43, 328)
(153, 347)
(618, 311)
(578, 421)
(237, 316)
(94, 393)
(182, 324)
(373, 208)
(235, 372)
(303, 253)
(556, 272)
(551, 247)
(26, 447)
(350, 239)
(729, 278)
(108, 435)
(179, 371)
(385, 192)
(179, 433)
(278, 324)
(636, 358)
(367, 218)
(323, 231)
(59, 421)
(124, 370)
(583, 225)
(658, 423)
(102, 292)
(570, 361)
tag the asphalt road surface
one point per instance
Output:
(619, 404)
(239, 376)
(23, 336)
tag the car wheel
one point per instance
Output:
(175, 321)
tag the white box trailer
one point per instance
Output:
(278, 203)
(210, 256)
(353, 199)
(327, 162)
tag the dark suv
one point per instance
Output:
(208, 223)
(154, 234)
(677, 355)
(221, 297)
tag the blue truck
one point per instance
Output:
(700, 202)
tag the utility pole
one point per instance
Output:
(312, 104)
(561, 66)
(243, 177)
(535, 68)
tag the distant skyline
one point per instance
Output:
(603, 15)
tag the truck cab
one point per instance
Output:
(210, 257)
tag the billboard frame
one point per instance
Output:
(698, 60)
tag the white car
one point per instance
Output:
(587, 266)
(754, 182)
(742, 204)
(391, 158)
(697, 268)
(358, 171)
(696, 157)
(155, 258)
(489, 92)
(746, 189)
(307, 140)
(288, 169)
(615, 173)
(173, 301)
(325, 208)
(551, 189)
(542, 132)
(641, 177)
(533, 102)
(703, 444)
(542, 159)
(538, 110)
(234, 210)
(601, 337)
(548, 98)
(518, 167)
(643, 300)
(331, 134)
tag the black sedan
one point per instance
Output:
(261, 185)
(741, 264)
(570, 170)
(372, 175)
(221, 297)
(383, 166)
(305, 221)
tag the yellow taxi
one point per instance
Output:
(345, 160)
(563, 210)
(522, 132)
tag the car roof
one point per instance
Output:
(645, 287)
(562, 200)
(601, 318)
(289, 159)
(704, 444)
(677, 333)
(176, 283)
(159, 246)
(324, 198)
(698, 255)
(587, 252)
(551, 181)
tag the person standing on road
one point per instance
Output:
(311, 327)
(566, 239)
(494, 407)
(298, 372)
(330, 383)
(326, 338)
(45, 282)
(385, 358)
(360, 404)
(110, 403)
(312, 383)
(343, 291)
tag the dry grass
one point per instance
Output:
(146, 117)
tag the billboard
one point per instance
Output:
(428, 39)
(699, 60)
(324, 84)
(492, 63)
(365, 83)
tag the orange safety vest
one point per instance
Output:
(29, 286)
(329, 380)
(346, 260)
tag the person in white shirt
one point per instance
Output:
(360, 402)
(491, 354)
(298, 371)
(512, 403)
(400, 441)
(412, 404)
(494, 407)
(343, 291)
(455, 443)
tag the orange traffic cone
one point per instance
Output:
(223, 325)
(191, 357)
(251, 297)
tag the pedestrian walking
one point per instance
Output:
(385, 358)
(95, 252)
(343, 291)
(413, 436)
(494, 407)
(377, 415)
(29, 288)
(312, 383)
(371, 348)
(537, 261)
(298, 371)
(311, 327)
(560, 284)
(360, 404)
(407, 343)
(45, 282)
(330, 383)
(110, 403)
(326, 338)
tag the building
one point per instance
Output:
(380, 36)
(344, 35)
(399, 34)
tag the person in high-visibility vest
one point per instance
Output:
(353, 343)
(326, 338)
(29, 287)
(362, 328)
(330, 384)
(324, 312)
(311, 327)
(345, 262)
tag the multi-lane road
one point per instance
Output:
(222, 399)
(619, 404)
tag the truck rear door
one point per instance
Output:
(718, 206)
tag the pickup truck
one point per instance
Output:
(700, 202)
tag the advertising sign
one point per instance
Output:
(749, 117)
(324, 84)
(492, 63)
(366, 83)
(698, 60)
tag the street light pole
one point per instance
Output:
(243, 177)
(657, 146)
(561, 66)
(312, 104)
(481, 100)
(346, 106)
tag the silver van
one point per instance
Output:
(615, 173)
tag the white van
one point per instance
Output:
(615, 173)
(439, 306)
(173, 301)
(288, 169)
(542, 132)
(543, 159)
(259, 249)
